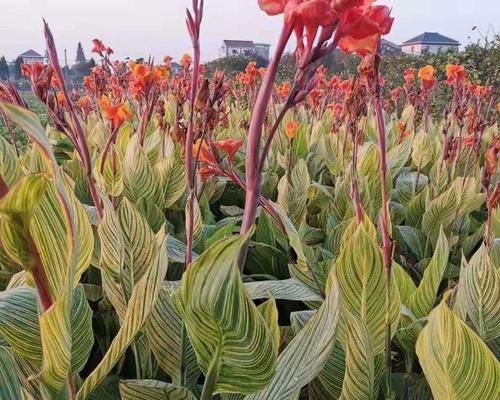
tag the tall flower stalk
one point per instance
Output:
(193, 22)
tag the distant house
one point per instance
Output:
(429, 42)
(31, 56)
(244, 47)
(389, 48)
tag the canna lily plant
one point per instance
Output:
(175, 235)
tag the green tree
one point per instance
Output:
(4, 69)
(80, 57)
(17, 68)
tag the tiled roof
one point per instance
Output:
(239, 43)
(31, 53)
(432, 38)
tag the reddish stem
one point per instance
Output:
(253, 175)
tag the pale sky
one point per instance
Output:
(138, 28)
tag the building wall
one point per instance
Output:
(31, 60)
(420, 48)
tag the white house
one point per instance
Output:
(429, 42)
(31, 56)
(244, 47)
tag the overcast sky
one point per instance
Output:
(135, 28)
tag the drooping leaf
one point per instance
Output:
(153, 390)
(481, 294)
(456, 362)
(226, 329)
(142, 300)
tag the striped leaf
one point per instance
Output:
(140, 178)
(362, 281)
(422, 150)
(287, 289)
(9, 165)
(140, 251)
(269, 312)
(173, 178)
(359, 380)
(456, 362)
(142, 300)
(307, 353)
(54, 323)
(480, 294)
(164, 331)
(153, 390)
(440, 212)
(10, 387)
(111, 241)
(20, 328)
(422, 300)
(230, 337)
(110, 181)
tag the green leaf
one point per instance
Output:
(10, 388)
(153, 390)
(142, 300)
(287, 289)
(20, 327)
(362, 281)
(9, 164)
(269, 312)
(110, 181)
(481, 293)
(440, 212)
(173, 177)
(164, 331)
(359, 380)
(306, 354)
(456, 362)
(422, 300)
(229, 335)
(141, 180)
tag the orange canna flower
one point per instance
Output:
(455, 72)
(291, 129)
(498, 107)
(61, 99)
(401, 126)
(202, 151)
(185, 61)
(160, 73)
(426, 73)
(272, 7)
(83, 102)
(139, 70)
(116, 114)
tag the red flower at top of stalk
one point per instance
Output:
(409, 76)
(482, 91)
(455, 74)
(229, 146)
(203, 152)
(361, 27)
(116, 114)
(100, 48)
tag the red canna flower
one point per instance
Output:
(409, 75)
(100, 48)
(230, 147)
(455, 73)
(207, 172)
(361, 28)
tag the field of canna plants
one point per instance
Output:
(174, 235)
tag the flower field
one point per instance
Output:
(173, 234)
